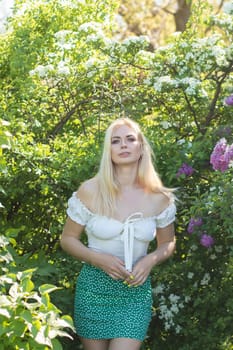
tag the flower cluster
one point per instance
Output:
(222, 155)
(168, 308)
(194, 222)
(206, 240)
(229, 100)
(185, 169)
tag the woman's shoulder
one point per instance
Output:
(162, 200)
(87, 191)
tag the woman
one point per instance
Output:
(122, 209)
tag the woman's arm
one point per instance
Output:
(70, 242)
(166, 244)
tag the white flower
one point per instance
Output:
(181, 142)
(187, 298)
(90, 74)
(92, 38)
(213, 256)
(205, 280)
(90, 63)
(164, 80)
(178, 329)
(189, 56)
(174, 298)
(147, 81)
(159, 289)
(167, 326)
(41, 70)
(190, 275)
(190, 91)
(136, 39)
(62, 68)
(165, 125)
(218, 248)
(174, 308)
(90, 26)
(220, 55)
(62, 34)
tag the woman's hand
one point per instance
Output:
(141, 271)
(166, 243)
(112, 265)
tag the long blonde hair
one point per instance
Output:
(108, 186)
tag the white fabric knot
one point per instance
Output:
(127, 237)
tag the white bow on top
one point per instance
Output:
(127, 237)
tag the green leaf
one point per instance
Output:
(5, 300)
(47, 288)
(5, 312)
(27, 285)
(27, 316)
(41, 336)
(56, 345)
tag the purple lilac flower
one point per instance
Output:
(221, 155)
(229, 100)
(228, 155)
(206, 240)
(194, 222)
(185, 169)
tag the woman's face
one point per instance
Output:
(125, 145)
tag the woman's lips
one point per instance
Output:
(124, 154)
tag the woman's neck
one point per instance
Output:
(127, 176)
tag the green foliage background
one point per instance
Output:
(64, 77)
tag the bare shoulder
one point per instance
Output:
(161, 200)
(87, 191)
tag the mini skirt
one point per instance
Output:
(105, 308)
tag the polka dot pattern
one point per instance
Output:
(105, 308)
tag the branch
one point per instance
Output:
(56, 129)
(211, 114)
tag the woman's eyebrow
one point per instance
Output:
(118, 137)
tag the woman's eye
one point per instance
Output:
(131, 139)
(115, 141)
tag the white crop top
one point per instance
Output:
(127, 240)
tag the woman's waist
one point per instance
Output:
(117, 249)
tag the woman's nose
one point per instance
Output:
(123, 143)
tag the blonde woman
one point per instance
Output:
(121, 209)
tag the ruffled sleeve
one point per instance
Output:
(167, 216)
(77, 211)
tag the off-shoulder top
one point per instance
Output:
(127, 240)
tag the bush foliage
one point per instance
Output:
(63, 78)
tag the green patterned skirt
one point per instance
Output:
(106, 308)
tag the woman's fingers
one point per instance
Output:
(114, 267)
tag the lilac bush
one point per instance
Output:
(185, 169)
(222, 155)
